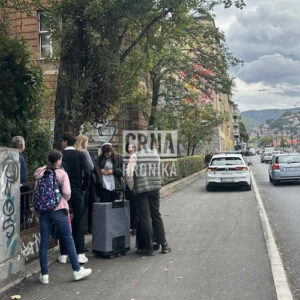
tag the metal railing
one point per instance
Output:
(28, 217)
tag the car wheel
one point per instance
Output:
(248, 187)
(209, 188)
(270, 178)
(276, 182)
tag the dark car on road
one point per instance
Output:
(285, 167)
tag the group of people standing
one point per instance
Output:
(81, 178)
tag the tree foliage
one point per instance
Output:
(243, 132)
(266, 141)
(21, 101)
(99, 49)
(195, 123)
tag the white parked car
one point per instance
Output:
(228, 170)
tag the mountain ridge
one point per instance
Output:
(255, 118)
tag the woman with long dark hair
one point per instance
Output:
(111, 174)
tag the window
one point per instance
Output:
(44, 36)
(288, 159)
(227, 161)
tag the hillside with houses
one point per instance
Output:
(284, 130)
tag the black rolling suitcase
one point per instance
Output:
(111, 228)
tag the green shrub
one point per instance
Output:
(175, 169)
(21, 101)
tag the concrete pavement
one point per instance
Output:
(282, 204)
(219, 252)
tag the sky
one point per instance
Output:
(266, 36)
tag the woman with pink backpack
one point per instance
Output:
(51, 195)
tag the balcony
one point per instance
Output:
(235, 122)
(236, 113)
(236, 132)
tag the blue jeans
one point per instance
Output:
(60, 219)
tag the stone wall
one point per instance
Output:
(11, 260)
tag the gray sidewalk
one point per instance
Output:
(219, 252)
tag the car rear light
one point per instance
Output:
(211, 169)
(242, 169)
(276, 167)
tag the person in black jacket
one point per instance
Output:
(111, 180)
(75, 164)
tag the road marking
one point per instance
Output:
(280, 280)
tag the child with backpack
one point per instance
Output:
(51, 195)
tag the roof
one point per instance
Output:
(287, 154)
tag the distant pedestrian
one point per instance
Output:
(111, 174)
(89, 196)
(18, 143)
(207, 158)
(147, 183)
(75, 164)
(57, 214)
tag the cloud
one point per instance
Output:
(271, 27)
(256, 96)
(271, 69)
(266, 36)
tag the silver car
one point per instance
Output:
(285, 167)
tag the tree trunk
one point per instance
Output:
(154, 101)
(193, 149)
(63, 105)
(68, 114)
(188, 148)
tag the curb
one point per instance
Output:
(173, 187)
(283, 290)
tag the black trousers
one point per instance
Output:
(90, 198)
(78, 207)
(147, 209)
(129, 195)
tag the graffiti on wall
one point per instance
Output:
(103, 133)
(31, 248)
(10, 173)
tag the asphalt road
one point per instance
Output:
(282, 204)
(219, 252)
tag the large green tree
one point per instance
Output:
(21, 100)
(98, 52)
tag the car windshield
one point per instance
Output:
(289, 159)
(227, 161)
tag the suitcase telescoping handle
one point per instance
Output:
(119, 203)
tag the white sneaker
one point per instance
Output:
(82, 273)
(44, 279)
(62, 259)
(82, 259)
